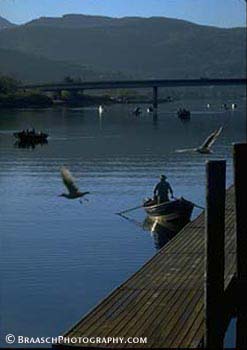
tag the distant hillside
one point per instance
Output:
(29, 68)
(4, 24)
(153, 47)
(74, 21)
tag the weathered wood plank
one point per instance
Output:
(163, 301)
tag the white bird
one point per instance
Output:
(205, 148)
(101, 109)
(69, 182)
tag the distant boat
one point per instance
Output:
(137, 111)
(183, 113)
(31, 136)
(208, 105)
(234, 105)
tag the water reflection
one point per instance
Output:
(161, 230)
(29, 145)
(62, 244)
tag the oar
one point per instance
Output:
(137, 223)
(128, 210)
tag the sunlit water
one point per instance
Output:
(59, 257)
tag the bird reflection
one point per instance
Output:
(161, 230)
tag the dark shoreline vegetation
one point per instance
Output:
(12, 97)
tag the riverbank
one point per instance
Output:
(37, 100)
(24, 100)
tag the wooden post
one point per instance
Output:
(215, 253)
(155, 97)
(240, 182)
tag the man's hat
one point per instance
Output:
(162, 177)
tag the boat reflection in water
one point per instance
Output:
(28, 145)
(161, 230)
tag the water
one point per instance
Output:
(59, 257)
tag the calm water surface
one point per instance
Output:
(58, 257)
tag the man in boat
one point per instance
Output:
(162, 190)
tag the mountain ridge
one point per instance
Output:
(148, 48)
(5, 24)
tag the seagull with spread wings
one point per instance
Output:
(205, 148)
(69, 182)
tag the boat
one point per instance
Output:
(178, 209)
(137, 111)
(183, 113)
(31, 136)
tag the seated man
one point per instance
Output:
(162, 189)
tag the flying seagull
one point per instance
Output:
(205, 148)
(73, 190)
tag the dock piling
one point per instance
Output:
(240, 176)
(215, 255)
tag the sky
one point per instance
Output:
(220, 13)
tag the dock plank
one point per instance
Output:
(164, 300)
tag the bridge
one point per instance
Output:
(134, 84)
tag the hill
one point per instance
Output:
(153, 47)
(4, 23)
(31, 68)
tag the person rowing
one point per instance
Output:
(162, 190)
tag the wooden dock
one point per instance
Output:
(164, 300)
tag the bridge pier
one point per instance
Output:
(155, 97)
(57, 95)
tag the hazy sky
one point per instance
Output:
(223, 13)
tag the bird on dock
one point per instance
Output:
(206, 146)
(69, 182)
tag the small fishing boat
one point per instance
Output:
(178, 209)
(137, 111)
(31, 136)
(183, 113)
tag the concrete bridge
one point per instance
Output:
(134, 84)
